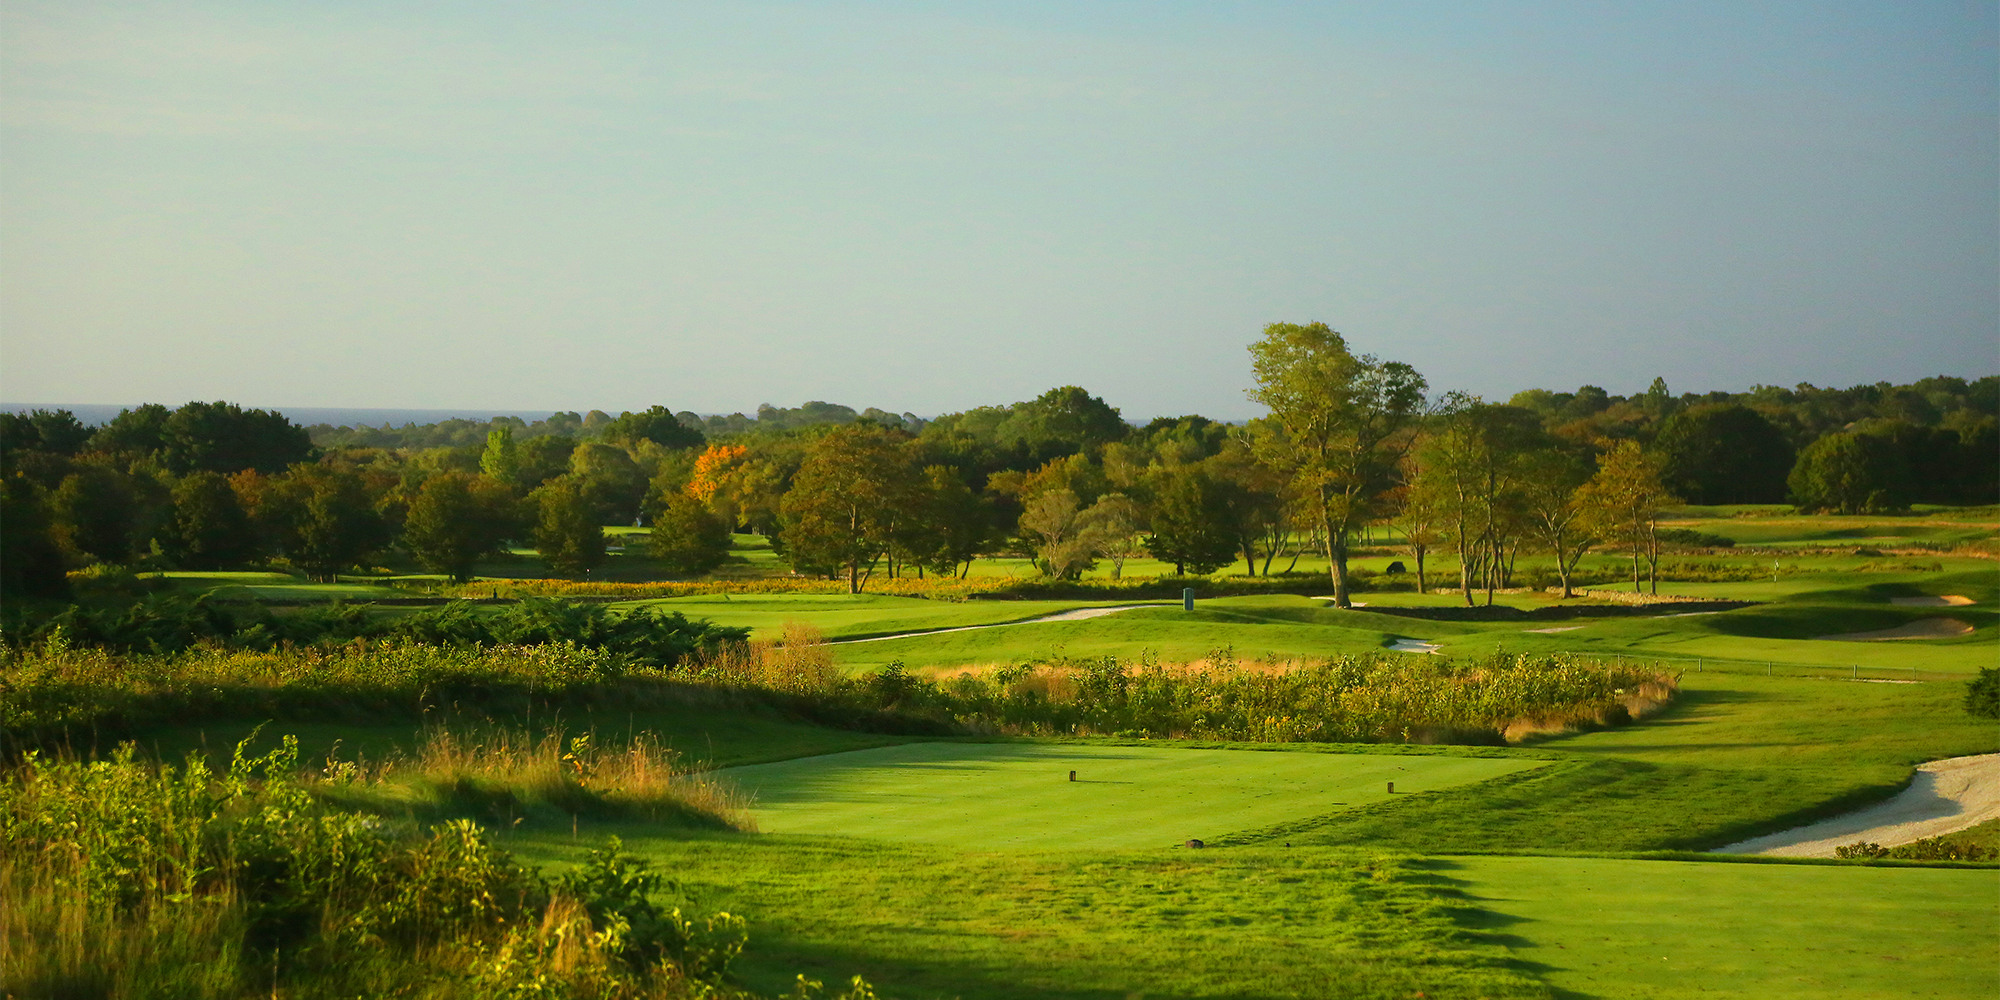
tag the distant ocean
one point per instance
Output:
(93, 414)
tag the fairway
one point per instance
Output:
(1671, 929)
(985, 796)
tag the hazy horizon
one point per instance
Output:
(370, 206)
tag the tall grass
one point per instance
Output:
(124, 878)
(512, 772)
(1382, 698)
(54, 694)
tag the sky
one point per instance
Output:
(929, 207)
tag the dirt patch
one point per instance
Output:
(1928, 628)
(1945, 796)
(1946, 601)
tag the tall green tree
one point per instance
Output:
(93, 512)
(1474, 470)
(208, 528)
(567, 532)
(688, 538)
(502, 458)
(133, 433)
(842, 511)
(324, 519)
(614, 482)
(1065, 542)
(1192, 523)
(948, 526)
(1840, 473)
(1340, 420)
(1117, 524)
(1724, 453)
(456, 519)
(31, 564)
(223, 437)
(1623, 502)
(1555, 514)
(657, 424)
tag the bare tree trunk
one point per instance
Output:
(1336, 560)
(1653, 553)
(1418, 552)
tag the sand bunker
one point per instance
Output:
(1078, 614)
(1947, 601)
(1413, 646)
(1558, 628)
(1928, 628)
(1946, 796)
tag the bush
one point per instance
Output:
(1982, 694)
(1926, 849)
(1364, 699)
(121, 878)
(167, 623)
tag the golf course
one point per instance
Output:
(1571, 860)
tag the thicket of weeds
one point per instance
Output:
(123, 878)
(1348, 699)
(56, 694)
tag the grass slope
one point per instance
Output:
(992, 796)
(1735, 757)
(1668, 930)
(1781, 632)
(924, 922)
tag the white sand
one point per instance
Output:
(1947, 601)
(1946, 796)
(1928, 628)
(1078, 614)
(1558, 628)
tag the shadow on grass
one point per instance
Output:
(1481, 924)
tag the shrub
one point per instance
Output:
(119, 877)
(1926, 849)
(1982, 694)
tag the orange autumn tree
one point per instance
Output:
(709, 469)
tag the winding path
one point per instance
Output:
(1946, 796)
(1073, 615)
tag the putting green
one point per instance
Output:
(987, 796)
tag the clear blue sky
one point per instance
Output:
(930, 207)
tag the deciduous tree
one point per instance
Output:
(1191, 523)
(1623, 501)
(567, 533)
(208, 528)
(689, 539)
(1342, 418)
(457, 519)
(842, 510)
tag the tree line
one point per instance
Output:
(1352, 444)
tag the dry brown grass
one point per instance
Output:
(576, 773)
(1649, 697)
(799, 661)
